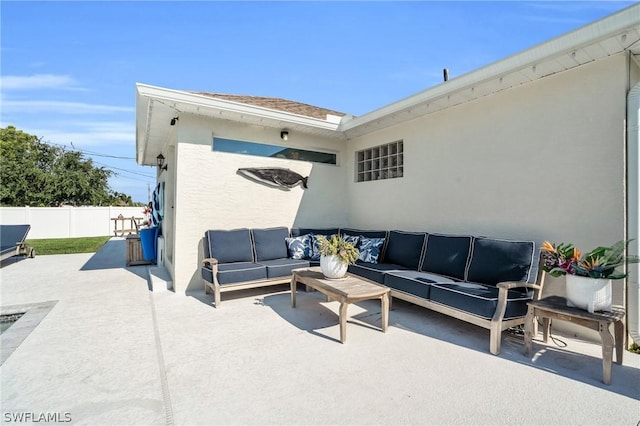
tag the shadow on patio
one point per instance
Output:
(579, 360)
(112, 255)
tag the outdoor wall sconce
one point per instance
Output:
(284, 135)
(160, 162)
(174, 120)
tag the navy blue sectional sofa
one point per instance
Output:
(480, 280)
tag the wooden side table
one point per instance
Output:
(134, 251)
(556, 307)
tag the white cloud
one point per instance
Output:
(89, 137)
(38, 81)
(103, 136)
(37, 107)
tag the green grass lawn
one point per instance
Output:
(67, 245)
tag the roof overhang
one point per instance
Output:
(156, 106)
(609, 36)
(615, 34)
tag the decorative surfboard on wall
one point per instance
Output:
(274, 176)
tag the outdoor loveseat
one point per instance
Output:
(246, 258)
(480, 280)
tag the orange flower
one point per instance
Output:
(589, 264)
(576, 254)
(547, 246)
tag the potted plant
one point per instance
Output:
(588, 276)
(336, 254)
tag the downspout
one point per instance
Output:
(633, 213)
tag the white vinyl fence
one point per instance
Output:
(67, 222)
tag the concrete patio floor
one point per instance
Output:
(111, 352)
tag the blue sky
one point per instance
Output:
(68, 69)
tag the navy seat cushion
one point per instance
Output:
(229, 273)
(282, 267)
(270, 243)
(479, 299)
(229, 245)
(413, 282)
(447, 255)
(296, 232)
(405, 248)
(493, 261)
(373, 271)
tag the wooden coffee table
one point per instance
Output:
(350, 289)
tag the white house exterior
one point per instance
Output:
(541, 145)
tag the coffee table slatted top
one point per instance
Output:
(351, 287)
(348, 290)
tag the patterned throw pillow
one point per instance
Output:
(299, 247)
(353, 239)
(370, 249)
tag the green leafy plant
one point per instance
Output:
(600, 262)
(338, 246)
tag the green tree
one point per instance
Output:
(34, 173)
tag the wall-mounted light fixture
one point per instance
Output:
(160, 162)
(284, 135)
(174, 120)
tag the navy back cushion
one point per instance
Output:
(494, 261)
(358, 232)
(405, 248)
(447, 255)
(229, 246)
(270, 243)
(296, 232)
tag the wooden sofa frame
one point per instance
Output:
(495, 325)
(218, 289)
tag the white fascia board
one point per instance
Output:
(170, 96)
(587, 35)
(143, 114)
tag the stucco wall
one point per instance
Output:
(211, 195)
(544, 161)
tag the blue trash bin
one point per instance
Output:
(149, 239)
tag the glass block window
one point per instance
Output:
(382, 162)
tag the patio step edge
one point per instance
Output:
(159, 279)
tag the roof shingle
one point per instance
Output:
(278, 104)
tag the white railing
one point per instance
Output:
(67, 222)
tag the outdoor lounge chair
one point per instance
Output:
(12, 241)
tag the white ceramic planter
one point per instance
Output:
(592, 294)
(332, 267)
